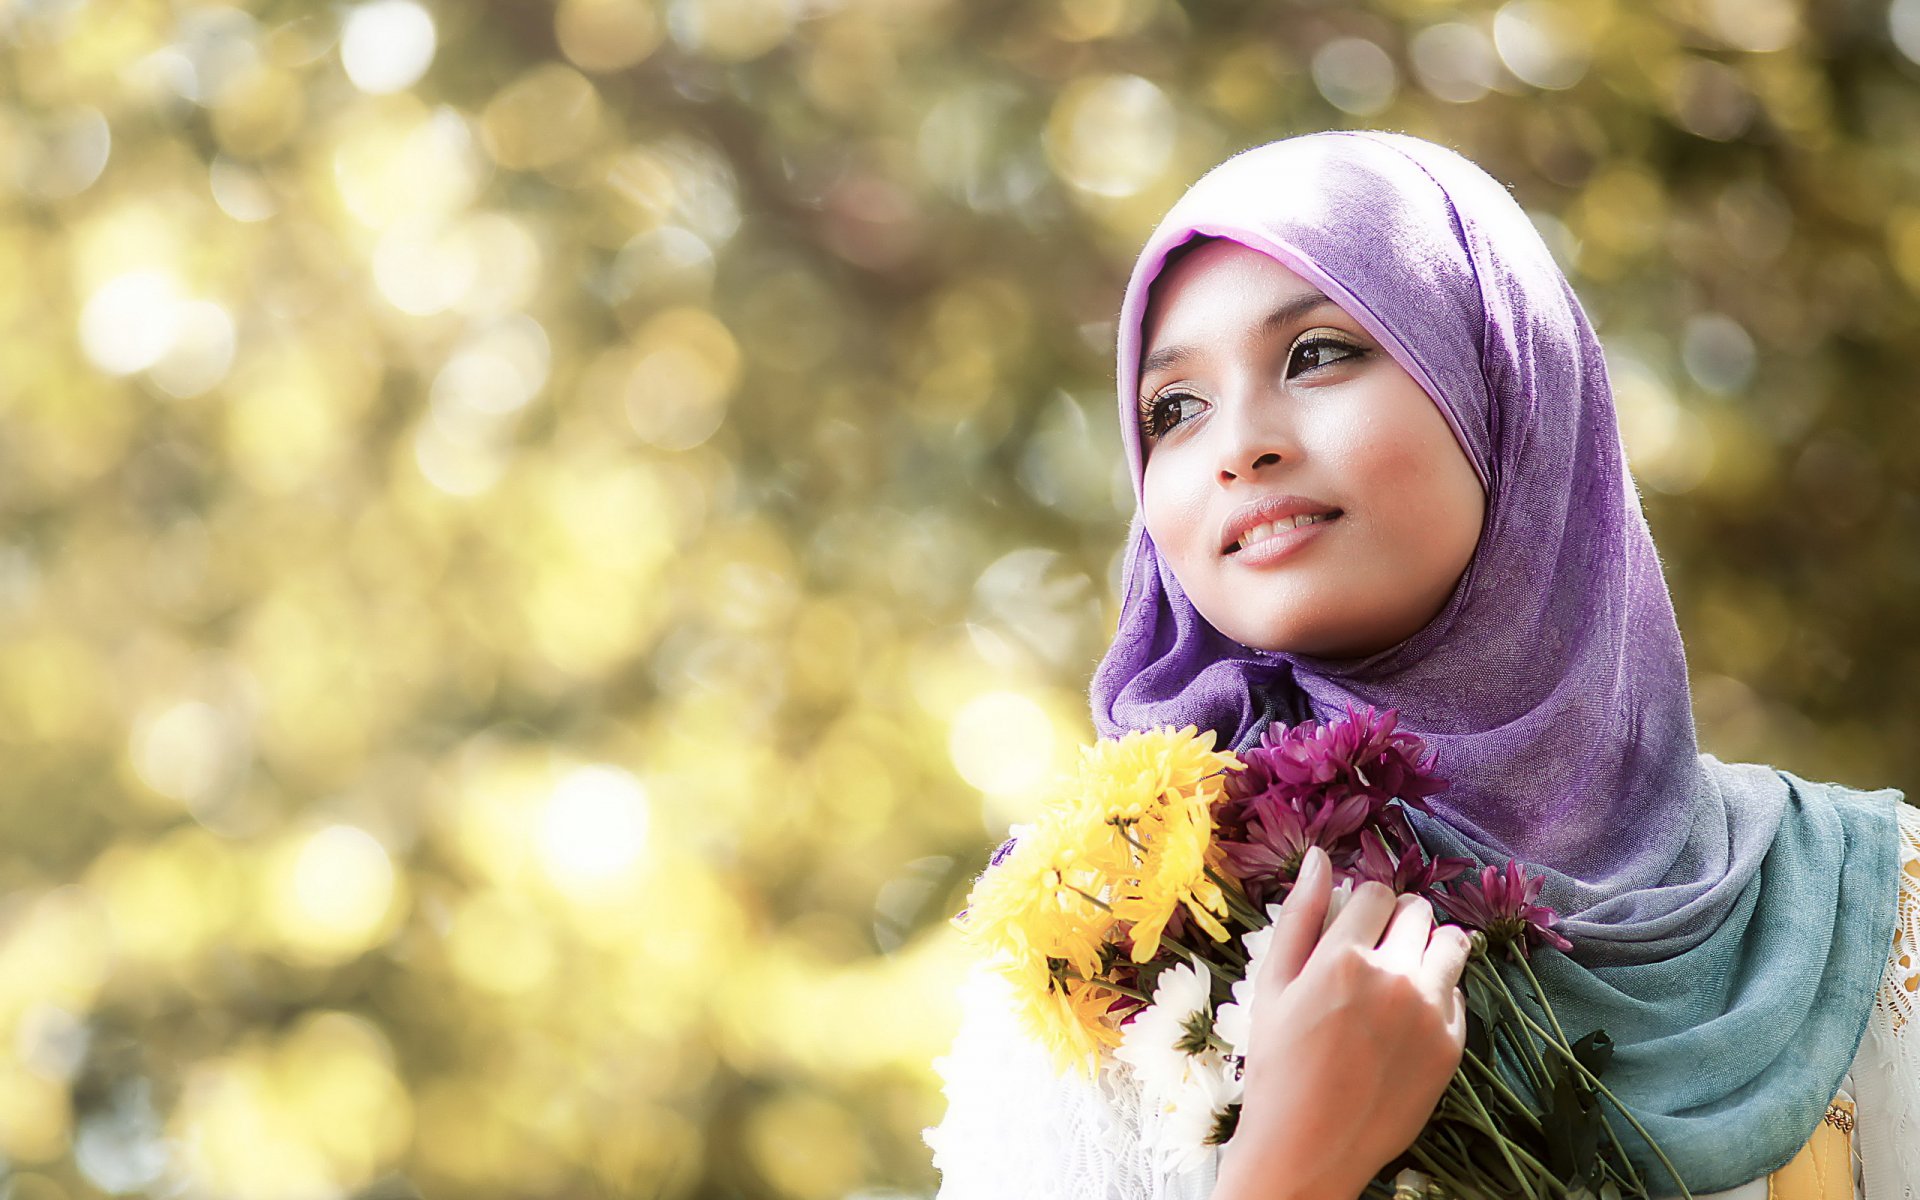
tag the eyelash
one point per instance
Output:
(1154, 421)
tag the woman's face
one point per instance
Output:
(1263, 404)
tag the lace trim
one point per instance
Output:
(1887, 1069)
(1016, 1128)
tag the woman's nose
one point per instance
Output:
(1252, 442)
(1270, 458)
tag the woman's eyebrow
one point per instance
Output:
(1289, 312)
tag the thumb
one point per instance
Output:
(1296, 929)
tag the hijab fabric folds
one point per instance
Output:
(1730, 922)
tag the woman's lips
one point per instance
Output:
(1282, 543)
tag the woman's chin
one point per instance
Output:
(1319, 641)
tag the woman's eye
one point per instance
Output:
(1320, 352)
(1162, 413)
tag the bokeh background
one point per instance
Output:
(541, 545)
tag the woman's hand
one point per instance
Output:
(1355, 1033)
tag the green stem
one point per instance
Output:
(1237, 902)
(1444, 1172)
(1444, 1132)
(1232, 951)
(1219, 971)
(1493, 1077)
(1523, 1049)
(1451, 1131)
(1540, 1169)
(1535, 1067)
(1539, 993)
(1465, 1117)
(1499, 1140)
(1594, 1081)
(1547, 1007)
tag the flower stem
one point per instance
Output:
(1234, 952)
(1460, 1115)
(1089, 897)
(1539, 993)
(1442, 1170)
(1237, 901)
(1594, 1080)
(1546, 1007)
(1526, 1051)
(1219, 971)
(1228, 948)
(1493, 1077)
(1500, 1141)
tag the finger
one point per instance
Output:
(1364, 918)
(1445, 960)
(1297, 927)
(1407, 931)
(1457, 1018)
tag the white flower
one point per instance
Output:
(1150, 1043)
(1234, 1022)
(1336, 902)
(1192, 1113)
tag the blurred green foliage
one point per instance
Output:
(543, 544)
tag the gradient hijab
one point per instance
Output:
(1730, 922)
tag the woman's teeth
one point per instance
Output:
(1260, 533)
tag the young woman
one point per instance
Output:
(1377, 461)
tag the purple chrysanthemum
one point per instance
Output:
(1268, 855)
(1409, 871)
(1321, 784)
(1361, 752)
(1501, 906)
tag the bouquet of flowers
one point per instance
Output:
(1132, 918)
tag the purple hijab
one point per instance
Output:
(1553, 683)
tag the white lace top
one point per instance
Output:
(1015, 1130)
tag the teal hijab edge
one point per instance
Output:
(1874, 832)
(1766, 1121)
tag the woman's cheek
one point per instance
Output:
(1176, 517)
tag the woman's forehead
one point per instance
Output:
(1220, 263)
(1190, 291)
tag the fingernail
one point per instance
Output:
(1313, 865)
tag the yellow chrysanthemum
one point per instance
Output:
(1131, 777)
(1160, 787)
(1173, 873)
(1032, 914)
(1126, 839)
(1041, 903)
(1074, 1022)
